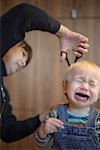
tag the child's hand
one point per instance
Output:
(50, 126)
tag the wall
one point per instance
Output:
(38, 86)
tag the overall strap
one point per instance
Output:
(92, 117)
(62, 112)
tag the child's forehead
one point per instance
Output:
(83, 70)
(86, 72)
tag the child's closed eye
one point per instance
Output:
(92, 84)
(79, 80)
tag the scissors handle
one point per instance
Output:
(66, 57)
(77, 57)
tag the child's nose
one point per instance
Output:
(84, 86)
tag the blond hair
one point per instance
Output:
(80, 65)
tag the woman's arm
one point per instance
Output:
(26, 17)
(11, 128)
(21, 19)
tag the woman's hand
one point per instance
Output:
(70, 40)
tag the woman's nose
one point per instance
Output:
(23, 62)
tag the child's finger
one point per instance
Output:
(58, 123)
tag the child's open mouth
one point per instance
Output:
(81, 97)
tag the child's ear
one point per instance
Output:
(64, 84)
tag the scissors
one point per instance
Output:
(67, 60)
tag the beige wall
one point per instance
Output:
(38, 86)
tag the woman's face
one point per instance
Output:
(15, 59)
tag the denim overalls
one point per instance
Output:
(76, 138)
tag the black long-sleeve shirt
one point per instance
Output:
(21, 19)
(14, 24)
